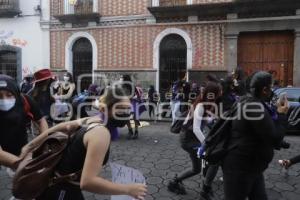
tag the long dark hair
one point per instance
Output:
(211, 88)
(41, 87)
(112, 96)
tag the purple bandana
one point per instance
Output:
(114, 132)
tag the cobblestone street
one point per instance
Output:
(158, 155)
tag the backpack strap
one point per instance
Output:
(27, 107)
(70, 178)
(73, 177)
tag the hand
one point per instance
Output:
(137, 191)
(283, 107)
(285, 163)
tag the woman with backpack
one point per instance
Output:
(193, 134)
(253, 137)
(88, 151)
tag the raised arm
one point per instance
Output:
(97, 143)
(197, 122)
(65, 127)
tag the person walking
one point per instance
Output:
(193, 135)
(88, 151)
(254, 137)
(135, 97)
(152, 101)
(225, 102)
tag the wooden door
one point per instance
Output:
(268, 51)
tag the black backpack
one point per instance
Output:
(178, 123)
(216, 144)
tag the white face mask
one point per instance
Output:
(7, 104)
(66, 79)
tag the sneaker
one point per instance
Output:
(176, 187)
(206, 193)
(130, 135)
(136, 135)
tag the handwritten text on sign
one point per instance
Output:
(125, 175)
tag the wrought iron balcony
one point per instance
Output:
(9, 8)
(78, 11)
(164, 9)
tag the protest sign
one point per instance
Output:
(125, 175)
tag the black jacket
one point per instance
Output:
(254, 140)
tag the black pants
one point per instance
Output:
(196, 166)
(63, 191)
(240, 185)
(151, 109)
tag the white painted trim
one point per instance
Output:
(155, 3)
(95, 6)
(69, 54)
(156, 45)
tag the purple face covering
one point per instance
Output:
(114, 132)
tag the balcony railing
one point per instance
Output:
(155, 3)
(212, 10)
(80, 7)
(78, 11)
(9, 8)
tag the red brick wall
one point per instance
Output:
(109, 7)
(123, 7)
(56, 7)
(132, 47)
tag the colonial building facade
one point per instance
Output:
(158, 41)
(24, 37)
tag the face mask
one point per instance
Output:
(121, 121)
(268, 97)
(7, 104)
(66, 79)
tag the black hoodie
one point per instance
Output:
(13, 135)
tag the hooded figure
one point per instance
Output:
(14, 117)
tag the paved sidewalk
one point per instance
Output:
(158, 155)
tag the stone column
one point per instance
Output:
(231, 51)
(296, 70)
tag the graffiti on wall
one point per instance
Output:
(19, 42)
(6, 35)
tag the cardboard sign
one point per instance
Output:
(125, 175)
